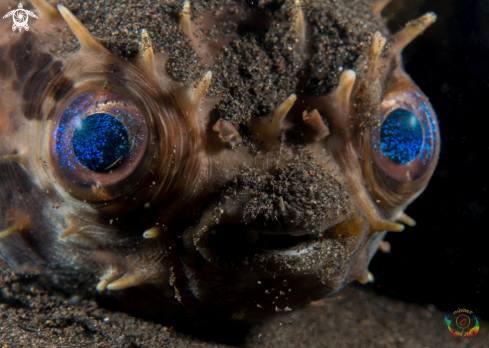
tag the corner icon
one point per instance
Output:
(20, 17)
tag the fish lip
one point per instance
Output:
(324, 254)
(343, 236)
(293, 251)
(301, 247)
(321, 255)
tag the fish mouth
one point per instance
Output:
(245, 244)
(267, 252)
(259, 268)
(307, 254)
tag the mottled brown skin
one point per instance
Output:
(249, 215)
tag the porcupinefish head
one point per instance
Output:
(234, 158)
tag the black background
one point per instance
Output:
(444, 260)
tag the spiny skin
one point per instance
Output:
(265, 193)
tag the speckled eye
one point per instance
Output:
(406, 143)
(401, 136)
(99, 144)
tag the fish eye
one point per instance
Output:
(405, 146)
(99, 143)
(401, 136)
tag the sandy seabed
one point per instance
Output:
(32, 316)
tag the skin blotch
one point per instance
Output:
(339, 39)
(258, 69)
(38, 87)
(119, 25)
(26, 58)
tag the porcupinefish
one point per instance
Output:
(225, 158)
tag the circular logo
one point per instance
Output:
(20, 18)
(462, 322)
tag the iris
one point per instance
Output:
(100, 141)
(401, 136)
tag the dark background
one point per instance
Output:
(444, 260)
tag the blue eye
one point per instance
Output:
(401, 136)
(100, 141)
(99, 144)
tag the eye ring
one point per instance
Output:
(411, 149)
(80, 163)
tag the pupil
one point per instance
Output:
(401, 136)
(99, 141)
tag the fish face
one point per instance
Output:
(241, 159)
